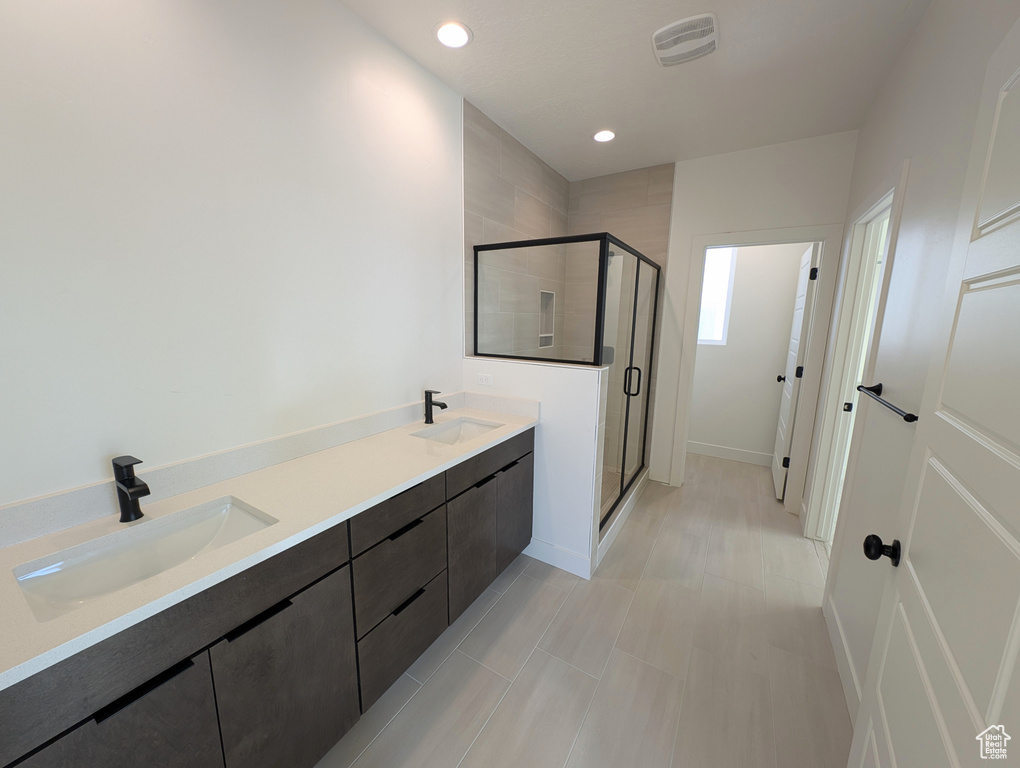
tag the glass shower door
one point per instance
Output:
(621, 277)
(637, 375)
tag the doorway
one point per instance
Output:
(853, 341)
(749, 331)
(828, 239)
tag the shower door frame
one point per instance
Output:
(605, 239)
(625, 486)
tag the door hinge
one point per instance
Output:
(786, 462)
(800, 371)
(848, 407)
(814, 274)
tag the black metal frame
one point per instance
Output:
(604, 239)
(625, 485)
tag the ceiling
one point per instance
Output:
(553, 72)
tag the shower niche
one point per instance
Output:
(581, 300)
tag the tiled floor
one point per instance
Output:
(699, 643)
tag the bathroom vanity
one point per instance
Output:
(273, 664)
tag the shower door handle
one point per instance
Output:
(638, 392)
(627, 380)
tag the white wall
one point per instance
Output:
(219, 223)
(925, 113)
(735, 400)
(565, 452)
(797, 184)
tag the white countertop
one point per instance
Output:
(307, 496)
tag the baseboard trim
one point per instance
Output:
(564, 559)
(845, 667)
(731, 454)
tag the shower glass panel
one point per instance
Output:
(537, 300)
(582, 299)
(621, 275)
(636, 380)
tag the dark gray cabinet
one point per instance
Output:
(397, 567)
(471, 542)
(286, 681)
(515, 500)
(400, 589)
(390, 648)
(68, 693)
(489, 515)
(168, 721)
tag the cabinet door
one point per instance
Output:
(168, 721)
(286, 681)
(471, 540)
(514, 510)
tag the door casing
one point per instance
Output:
(819, 520)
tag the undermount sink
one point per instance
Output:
(458, 430)
(61, 582)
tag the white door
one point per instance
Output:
(943, 662)
(791, 384)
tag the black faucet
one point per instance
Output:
(429, 403)
(129, 488)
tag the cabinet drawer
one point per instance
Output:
(375, 524)
(393, 570)
(477, 468)
(390, 648)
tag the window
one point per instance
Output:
(717, 295)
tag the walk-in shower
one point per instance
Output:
(584, 300)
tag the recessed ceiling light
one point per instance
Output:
(604, 136)
(453, 34)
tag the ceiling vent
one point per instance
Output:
(686, 40)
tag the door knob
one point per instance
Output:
(780, 377)
(874, 549)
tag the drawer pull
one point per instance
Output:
(410, 526)
(400, 608)
(263, 617)
(486, 481)
(145, 688)
(510, 466)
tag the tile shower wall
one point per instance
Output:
(581, 279)
(635, 206)
(510, 194)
